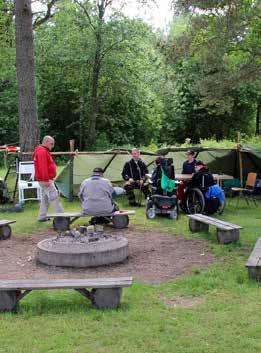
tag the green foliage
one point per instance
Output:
(130, 110)
(214, 66)
(198, 82)
(8, 86)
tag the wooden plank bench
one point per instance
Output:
(226, 232)
(254, 262)
(5, 229)
(62, 221)
(105, 293)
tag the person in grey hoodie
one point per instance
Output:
(96, 195)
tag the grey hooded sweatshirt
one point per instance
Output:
(96, 196)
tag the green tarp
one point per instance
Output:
(218, 160)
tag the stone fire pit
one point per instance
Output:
(86, 247)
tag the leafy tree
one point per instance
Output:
(218, 49)
(130, 110)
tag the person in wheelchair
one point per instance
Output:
(162, 199)
(202, 193)
(163, 166)
(202, 178)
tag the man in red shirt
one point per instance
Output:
(45, 172)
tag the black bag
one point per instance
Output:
(212, 205)
(257, 187)
(4, 198)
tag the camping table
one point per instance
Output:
(186, 177)
(218, 177)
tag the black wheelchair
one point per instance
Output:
(195, 201)
(159, 201)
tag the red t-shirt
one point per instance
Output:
(44, 165)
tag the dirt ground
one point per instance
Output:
(154, 257)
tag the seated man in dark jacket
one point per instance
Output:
(134, 175)
(202, 179)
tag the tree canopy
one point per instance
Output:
(107, 80)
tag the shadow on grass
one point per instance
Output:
(60, 302)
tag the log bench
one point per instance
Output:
(62, 221)
(105, 293)
(226, 232)
(254, 262)
(5, 229)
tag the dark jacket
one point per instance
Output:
(203, 179)
(134, 170)
(189, 168)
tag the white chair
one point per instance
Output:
(26, 181)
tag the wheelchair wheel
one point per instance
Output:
(221, 207)
(151, 213)
(174, 214)
(195, 201)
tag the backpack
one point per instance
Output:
(4, 198)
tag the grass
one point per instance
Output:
(227, 320)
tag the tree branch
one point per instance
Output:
(110, 48)
(48, 14)
(86, 13)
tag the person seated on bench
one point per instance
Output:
(96, 195)
(134, 175)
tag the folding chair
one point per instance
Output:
(26, 181)
(247, 191)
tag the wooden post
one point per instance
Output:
(72, 145)
(238, 137)
(71, 179)
(240, 158)
(240, 165)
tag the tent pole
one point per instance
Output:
(240, 165)
(71, 179)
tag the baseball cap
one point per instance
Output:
(98, 170)
(191, 152)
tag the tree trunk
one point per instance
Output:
(91, 136)
(25, 70)
(258, 111)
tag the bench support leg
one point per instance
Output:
(5, 232)
(9, 299)
(196, 226)
(84, 292)
(254, 273)
(106, 298)
(227, 236)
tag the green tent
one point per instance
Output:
(81, 165)
(224, 161)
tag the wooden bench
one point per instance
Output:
(62, 221)
(105, 293)
(5, 229)
(254, 262)
(226, 232)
